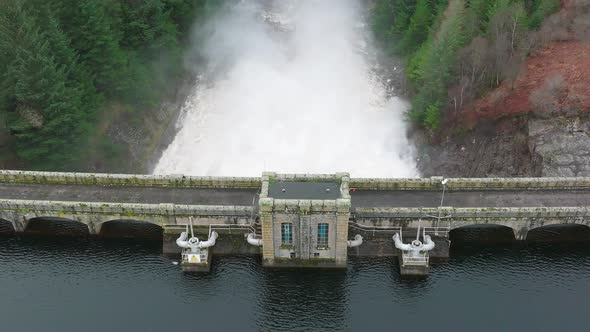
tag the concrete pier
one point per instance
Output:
(202, 264)
(413, 271)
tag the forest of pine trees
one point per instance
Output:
(457, 49)
(63, 62)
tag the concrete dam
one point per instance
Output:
(294, 220)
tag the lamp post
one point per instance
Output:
(443, 182)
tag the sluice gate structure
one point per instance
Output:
(295, 220)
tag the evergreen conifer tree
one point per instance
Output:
(418, 28)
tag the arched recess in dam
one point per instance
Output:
(130, 228)
(6, 227)
(56, 226)
(483, 233)
(559, 233)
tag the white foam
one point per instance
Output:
(303, 104)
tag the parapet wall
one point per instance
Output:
(341, 204)
(520, 219)
(128, 179)
(124, 208)
(269, 177)
(472, 213)
(434, 183)
(94, 214)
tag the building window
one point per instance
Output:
(322, 235)
(287, 233)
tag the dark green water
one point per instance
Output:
(89, 285)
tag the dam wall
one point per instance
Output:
(434, 183)
(289, 213)
(519, 219)
(94, 215)
(104, 179)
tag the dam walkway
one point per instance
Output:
(157, 194)
(168, 201)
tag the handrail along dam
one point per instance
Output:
(236, 207)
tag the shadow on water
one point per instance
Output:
(124, 228)
(493, 244)
(56, 226)
(493, 254)
(61, 236)
(469, 238)
(481, 234)
(63, 244)
(559, 233)
(6, 227)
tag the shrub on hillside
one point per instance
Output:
(546, 99)
(457, 50)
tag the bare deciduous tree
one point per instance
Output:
(474, 63)
(509, 39)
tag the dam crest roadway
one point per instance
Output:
(302, 220)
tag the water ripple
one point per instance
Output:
(70, 282)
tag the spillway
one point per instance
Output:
(290, 87)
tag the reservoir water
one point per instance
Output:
(90, 285)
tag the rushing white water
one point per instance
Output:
(302, 101)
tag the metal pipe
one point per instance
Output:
(418, 230)
(182, 241)
(416, 245)
(210, 241)
(253, 240)
(399, 244)
(428, 243)
(358, 240)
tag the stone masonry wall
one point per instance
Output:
(19, 212)
(128, 179)
(434, 183)
(305, 214)
(521, 220)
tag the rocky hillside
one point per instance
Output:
(535, 125)
(513, 146)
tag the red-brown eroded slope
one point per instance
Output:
(570, 59)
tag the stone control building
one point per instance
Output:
(304, 219)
